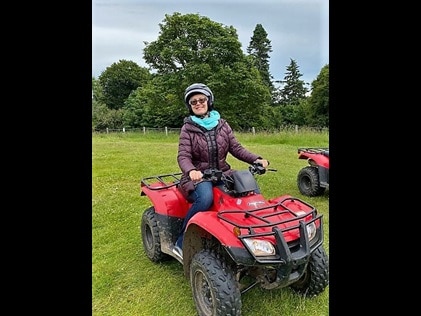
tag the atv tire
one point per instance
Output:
(316, 276)
(150, 236)
(215, 290)
(308, 182)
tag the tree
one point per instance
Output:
(156, 104)
(192, 39)
(240, 95)
(294, 90)
(259, 48)
(119, 80)
(318, 102)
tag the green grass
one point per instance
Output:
(124, 280)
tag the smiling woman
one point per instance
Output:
(204, 143)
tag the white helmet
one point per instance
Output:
(196, 88)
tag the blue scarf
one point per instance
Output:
(207, 122)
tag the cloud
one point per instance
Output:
(297, 29)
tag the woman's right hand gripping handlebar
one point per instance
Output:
(195, 175)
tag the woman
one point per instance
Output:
(204, 143)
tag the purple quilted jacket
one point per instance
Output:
(197, 149)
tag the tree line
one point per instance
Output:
(192, 48)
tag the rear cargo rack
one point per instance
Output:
(162, 181)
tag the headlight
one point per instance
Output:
(260, 247)
(311, 230)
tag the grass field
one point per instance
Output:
(124, 281)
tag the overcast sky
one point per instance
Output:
(297, 29)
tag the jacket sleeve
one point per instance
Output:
(184, 156)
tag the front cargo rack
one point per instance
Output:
(265, 217)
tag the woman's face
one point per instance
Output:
(199, 104)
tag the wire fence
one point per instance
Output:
(169, 130)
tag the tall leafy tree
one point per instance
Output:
(294, 89)
(318, 102)
(119, 80)
(260, 47)
(192, 39)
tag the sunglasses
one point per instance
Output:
(201, 101)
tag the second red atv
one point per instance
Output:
(313, 180)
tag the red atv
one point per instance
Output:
(313, 180)
(244, 240)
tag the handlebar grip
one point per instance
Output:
(259, 164)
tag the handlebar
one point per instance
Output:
(216, 175)
(257, 168)
(213, 175)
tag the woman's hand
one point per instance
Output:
(263, 162)
(195, 175)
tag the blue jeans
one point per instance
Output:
(202, 197)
